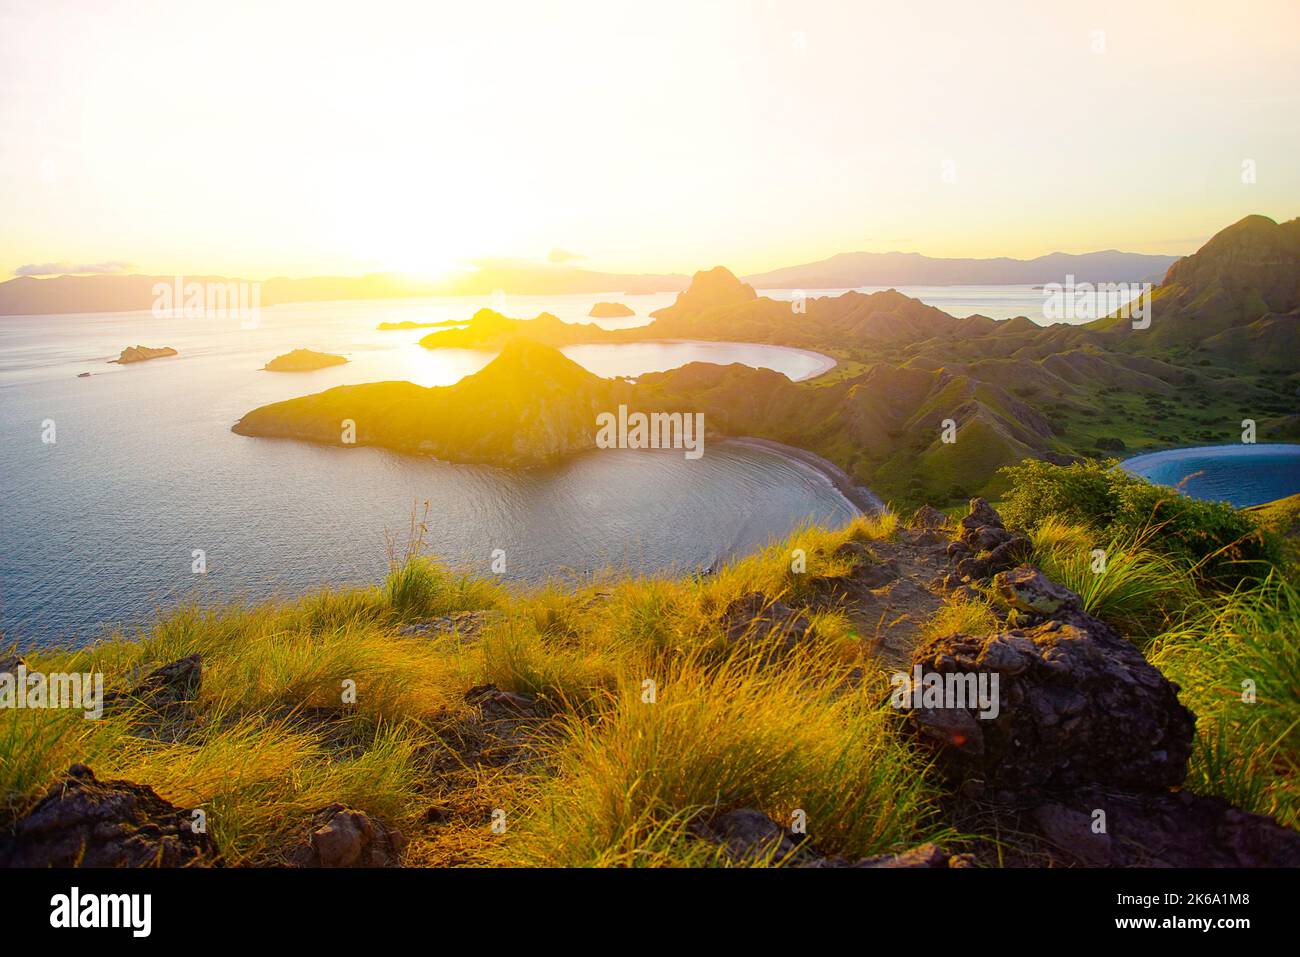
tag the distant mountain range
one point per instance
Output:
(849, 270)
(28, 295)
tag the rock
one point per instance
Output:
(1165, 829)
(982, 532)
(927, 855)
(1029, 590)
(929, 517)
(748, 835)
(855, 551)
(303, 360)
(466, 624)
(1078, 705)
(1010, 553)
(989, 537)
(172, 684)
(10, 664)
(922, 537)
(610, 310)
(877, 574)
(84, 822)
(709, 289)
(1073, 833)
(344, 837)
(981, 513)
(756, 618)
(141, 353)
(497, 703)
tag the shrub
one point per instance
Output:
(1219, 544)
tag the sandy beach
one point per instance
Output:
(860, 496)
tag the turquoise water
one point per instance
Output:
(1241, 475)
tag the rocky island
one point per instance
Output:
(142, 354)
(610, 310)
(303, 360)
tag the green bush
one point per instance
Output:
(1220, 544)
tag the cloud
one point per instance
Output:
(72, 269)
(559, 256)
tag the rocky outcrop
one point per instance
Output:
(610, 310)
(84, 822)
(1077, 705)
(303, 360)
(142, 353)
(709, 289)
(984, 546)
(343, 837)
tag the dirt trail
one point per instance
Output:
(890, 616)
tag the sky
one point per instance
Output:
(281, 138)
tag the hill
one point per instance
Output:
(529, 406)
(847, 270)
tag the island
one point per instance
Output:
(610, 310)
(303, 360)
(142, 354)
(410, 324)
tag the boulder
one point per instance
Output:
(343, 837)
(1028, 590)
(9, 664)
(1078, 705)
(747, 836)
(84, 822)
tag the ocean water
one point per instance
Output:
(99, 526)
(1241, 475)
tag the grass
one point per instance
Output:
(1237, 660)
(632, 787)
(1121, 581)
(650, 715)
(319, 700)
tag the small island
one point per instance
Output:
(410, 324)
(303, 360)
(610, 310)
(142, 354)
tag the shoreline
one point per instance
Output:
(859, 496)
(827, 363)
